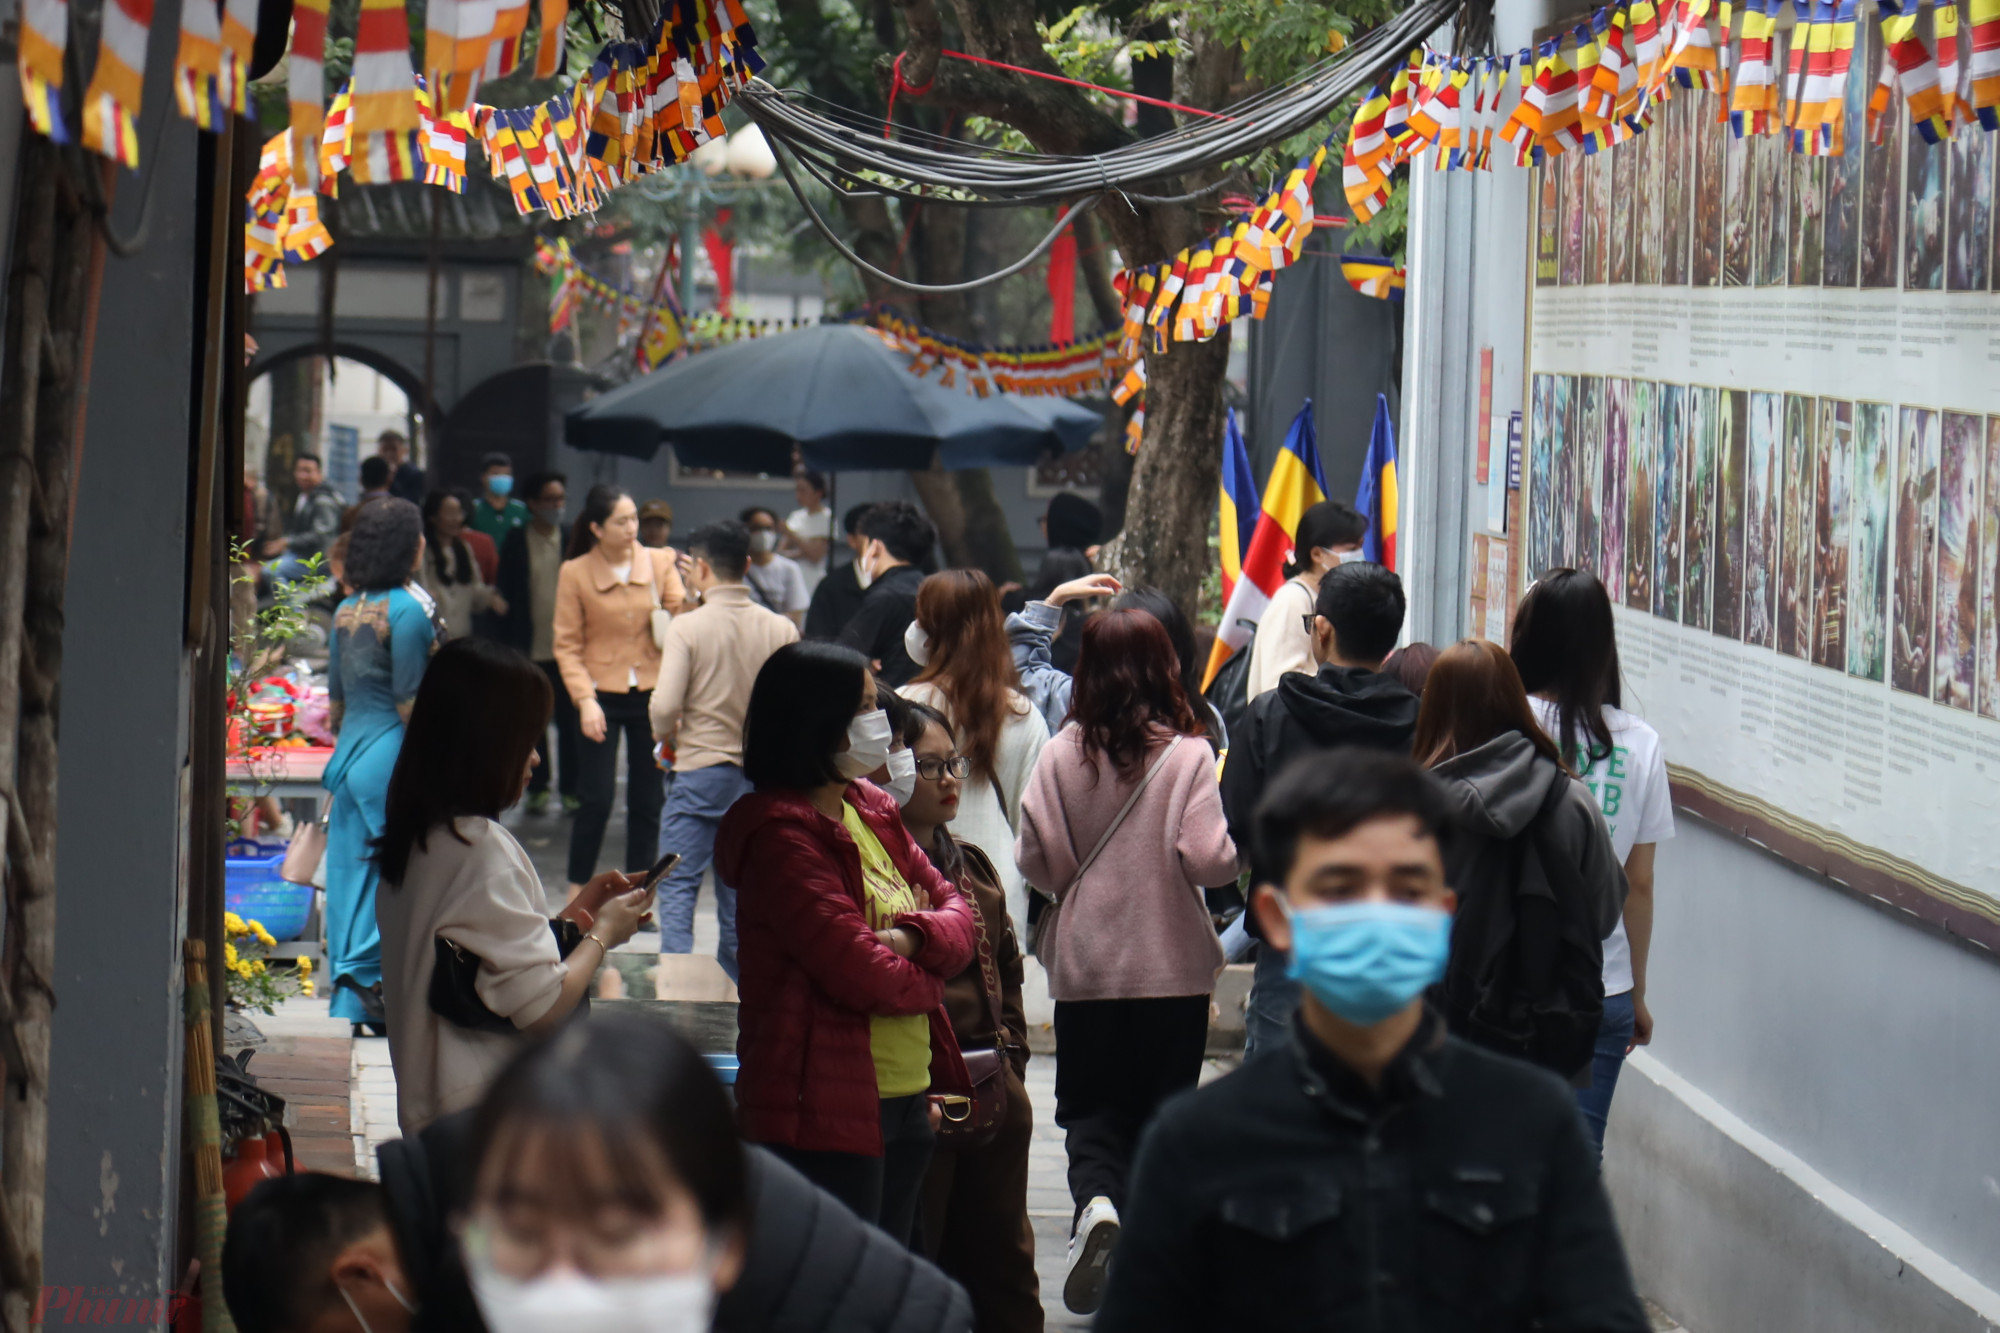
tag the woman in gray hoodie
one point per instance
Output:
(1539, 886)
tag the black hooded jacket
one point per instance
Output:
(1305, 714)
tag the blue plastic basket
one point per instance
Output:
(254, 890)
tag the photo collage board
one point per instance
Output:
(1764, 408)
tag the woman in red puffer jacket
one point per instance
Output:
(846, 934)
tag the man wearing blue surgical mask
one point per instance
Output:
(1373, 1172)
(497, 513)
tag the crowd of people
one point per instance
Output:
(913, 797)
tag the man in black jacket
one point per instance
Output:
(321, 1254)
(1356, 617)
(1373, 1173)
(839, 594)
(530, 556)
(899, 538)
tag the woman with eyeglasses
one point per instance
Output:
(846, 933)
(975, 1207)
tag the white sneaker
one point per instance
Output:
(1090, 1256)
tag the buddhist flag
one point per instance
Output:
(1238, 521)
(111, 102)
(1375, 498)
(1373, 275)
(41, 41)
(1296, 482)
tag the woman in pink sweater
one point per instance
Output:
(1122, 824)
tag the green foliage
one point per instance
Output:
(1279, 37)
(1387, 231)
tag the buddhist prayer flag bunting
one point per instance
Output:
(1372, 275)
(239, 41)
(111, 102)
(1296, 483)
(549, 46)
(306, 86)
(41, 40)
(198, 65)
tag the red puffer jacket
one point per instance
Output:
(813, 972)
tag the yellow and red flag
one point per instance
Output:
(1296, 483)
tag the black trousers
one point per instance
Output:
(883, 1190)
(1116, 1061)
(645, 793)
(567, 737)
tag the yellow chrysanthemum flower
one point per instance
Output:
(229, 956)
(263, 935)
(233, 924)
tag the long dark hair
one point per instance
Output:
(598, 502)
(623, 1101)
(970, 662)
(477, 716)
(1155, 603)
(451, 560)
(382, 545)
(1127, 683)
(804, 697)
(1566, 644)
(1473, 695)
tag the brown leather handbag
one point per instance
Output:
(976, 1125)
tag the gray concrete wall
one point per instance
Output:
(115, 1068)
(1808, 1142)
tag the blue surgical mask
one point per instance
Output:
(1367, 960)
(502, 485)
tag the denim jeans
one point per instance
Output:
(695, 806)
(1274, 998)
(1614, 1031)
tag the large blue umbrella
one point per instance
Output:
(840, 393)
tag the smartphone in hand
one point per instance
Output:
(659, 870)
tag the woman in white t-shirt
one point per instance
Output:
(1329, 534)
(1566, 649)
(809, 528)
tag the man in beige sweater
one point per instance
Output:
(711, 659)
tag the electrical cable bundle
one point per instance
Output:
(851, 156)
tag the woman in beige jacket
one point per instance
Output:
(606, 594)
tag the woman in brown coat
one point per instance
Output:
(606, 594)
(975, 1207)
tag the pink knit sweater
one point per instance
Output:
(1136, 926)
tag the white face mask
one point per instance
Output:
(917, 644)
(763, 539)
(569, 1302)
(902, 783)
(867, 745)
(862, 574)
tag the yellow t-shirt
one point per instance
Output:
(902, 1046)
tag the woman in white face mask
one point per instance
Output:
(610, 1192)
(1329, 534)
(846, 933)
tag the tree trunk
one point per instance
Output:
(1165, 541)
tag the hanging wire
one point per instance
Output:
(850, 149)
